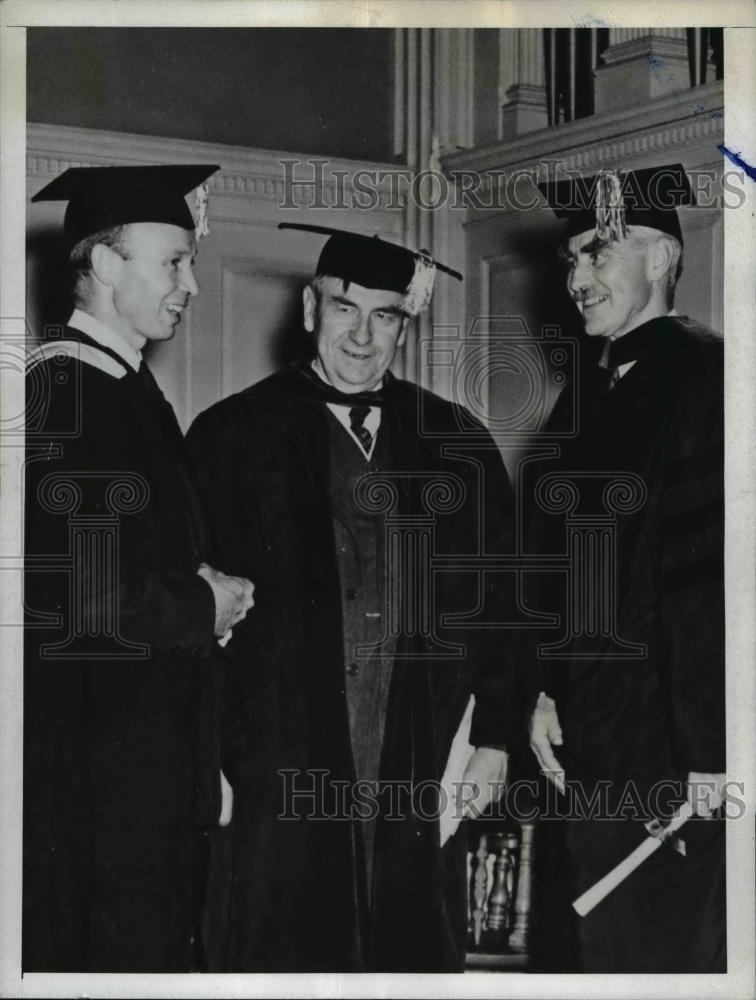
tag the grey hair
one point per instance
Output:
(648, 237)
(318, 284)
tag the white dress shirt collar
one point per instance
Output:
(341, 411)
(102, 334)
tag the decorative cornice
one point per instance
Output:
(245, 172)
(672, 135)
(667, 123)
(659, 46)
(526, 93)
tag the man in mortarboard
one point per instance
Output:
(335, 483)
(121, 763)
(630, 707)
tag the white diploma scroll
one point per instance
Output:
(593, 896)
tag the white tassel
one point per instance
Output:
(201, 213)
(418, 295)
(610, 207)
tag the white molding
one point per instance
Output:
(657, 127)
(634, 49)
(245, 172)
(689, 140)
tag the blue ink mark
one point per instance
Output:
(590, 21)
(663, 74)
(738, 160)
(700, 109)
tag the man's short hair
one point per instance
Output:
(80, 257)
(318, 283)
(650, 236)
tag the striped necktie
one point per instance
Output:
(357, 416)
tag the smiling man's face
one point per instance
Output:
(610, 283)
(152, 286)
(357, 331)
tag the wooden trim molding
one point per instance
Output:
(250, 173)
(690, 117)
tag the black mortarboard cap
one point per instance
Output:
(103, 197)
(375, 263)
(609, 201)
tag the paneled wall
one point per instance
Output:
(246, 320)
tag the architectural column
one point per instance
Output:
(522, 66)
(433, 116)
(640, 65)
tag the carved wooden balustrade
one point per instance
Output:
(500, 882)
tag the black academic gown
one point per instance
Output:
(635, 727)
(120, 744)
(298, 901)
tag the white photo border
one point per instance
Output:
(738, 18)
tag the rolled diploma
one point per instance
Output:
(593, 896)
